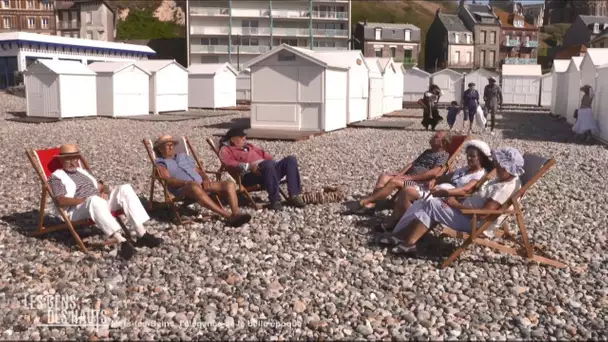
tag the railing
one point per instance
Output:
(292, 32)
(531, 44)
(67, 25)
(512, 60)
(329, 15)
(326, 48)
(409, 60)
(290, 14)
(251, 31)
(512, 42)
(330, 33)
(208, 11)
(249, 49)
(209, 29)
(209, 48)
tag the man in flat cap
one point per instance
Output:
(184, 178)
(258, 167)
(84, 197)
(492, 96)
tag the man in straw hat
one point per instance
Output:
(492, 96)
(258, 167)
(184, 178)
(84, 197)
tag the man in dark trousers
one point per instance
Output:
(258, 167)
(492, 96)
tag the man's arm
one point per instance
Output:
(405, 169)
(426, 176)
(164, 174)
(499, 95)
(261, 151)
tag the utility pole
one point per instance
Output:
(238, 53)
(230, 29)
(310, 23)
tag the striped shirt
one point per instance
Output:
(84, 186)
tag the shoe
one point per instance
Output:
(126, 250)
(239, 220)
(149, 240)
(403, 249)
(276, 206)
(297, 201)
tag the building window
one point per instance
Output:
(482, 38)
(482, 58)
(44, 22)
(89, 34)
(493, 38)
(6, 21)
(492, 58)
(596, 28)
(47, 5)
(393, 52)
(6, 4)
(89, 18)
(468, 37)
(31, 23)
(30, 4)
(408, 35)
(407, 55)
(378, 52)
(469, 57)
(378, 34)
(456, 38)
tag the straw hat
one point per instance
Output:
(68, 150)
(163, 139)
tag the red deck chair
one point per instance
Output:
(44, 164)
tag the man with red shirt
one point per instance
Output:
(257, 167)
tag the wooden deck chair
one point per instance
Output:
(45, 164)
(453, 149)
(241, 189)
(535, 167)
(170, 200)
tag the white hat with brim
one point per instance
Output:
(480, 145)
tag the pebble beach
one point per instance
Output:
(309, 273)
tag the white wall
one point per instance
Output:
(601, 103)
(201, 91)
(171, 89)
(243, 87)
(105, 94)
(389, 76)
(42, 95)
(225, 89)
(78, 95)
(415, 83)
(521, 90)
(559, 94)
(546, 89)
(131, 92)
(376, 95)
(335, 99)
(574, 93)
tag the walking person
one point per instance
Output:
(585, 123)
(430, 113)
(492, 97)
(470, 102)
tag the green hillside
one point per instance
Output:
(419, 13)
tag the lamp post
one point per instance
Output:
(238, 52)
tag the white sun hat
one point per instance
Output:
(481, 145)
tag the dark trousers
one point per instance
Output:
(271, 174)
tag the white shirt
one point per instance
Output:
(497, 191)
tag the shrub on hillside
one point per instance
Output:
(141, 24)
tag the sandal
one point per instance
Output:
(363, 210)
(239, 220)
(403, 249)
(388, 240)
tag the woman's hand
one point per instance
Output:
(452, 202)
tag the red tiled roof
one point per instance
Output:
(505, 22)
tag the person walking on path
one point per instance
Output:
(492, 97)
(470, 102)
(585, 122)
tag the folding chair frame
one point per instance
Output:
(241, 189)
(524, 248)
(68, 223)
(171, 200)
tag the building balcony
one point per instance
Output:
(265, 13)
(516, 60)
(512, 42)
(530, 44)
(326, 48)
(248, 49)
(409, 61)
(251, 31)
(194, 48)
(209, 30)
(68, 25)
(290, 32)
(330, 15)
(225, 49)
(330, 33)
(209, 12)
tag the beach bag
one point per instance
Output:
(480, 119)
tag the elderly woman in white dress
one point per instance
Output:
(458, 183)
(509, 165)
(585, 123)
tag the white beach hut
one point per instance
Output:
(398, 92)
(312, 96)
(480, 78)
(601, 101)
(389, 75)
(451, 83)
(574, 87)
(546, 88)
(243, 85)
(212, 85)
(358, 80)
(168, 85)
(415, 83)
(376, 88)
(559, 87)
(592, 59)
(520, 84)
(122, 89)
(60, 89)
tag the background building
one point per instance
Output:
(399, 41)
(566, 11)
(90, 19)
(518, 40)
(35, 16)
(449, 44)
(238, 31)
(481, 20)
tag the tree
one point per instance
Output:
(141, 24)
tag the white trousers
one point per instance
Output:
(100, 211)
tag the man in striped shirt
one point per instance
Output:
(83, 197)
